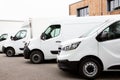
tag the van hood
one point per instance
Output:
(32, 40)
(71, 41)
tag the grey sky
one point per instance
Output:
(22, 9)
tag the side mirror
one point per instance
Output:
(11, 37)
(102, 36)
(43, 36)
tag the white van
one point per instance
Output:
(15, 45)
(97, 50)
(6, 28)
(46, 45)
(3, 37)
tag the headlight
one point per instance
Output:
(71, 47)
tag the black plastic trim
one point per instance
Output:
(54, 52)
(68, 65)
(26, 52)
(21, 49)
(114, 67)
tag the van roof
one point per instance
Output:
(74, 19)
(87, 19)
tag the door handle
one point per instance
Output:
(58, 41)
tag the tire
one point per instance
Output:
(10, 52)
(36, 57)
(90, 68)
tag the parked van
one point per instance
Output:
(3, 37)
(15, 45)
(95, 51)
(30, 29)
(6, 28)
(45, 46)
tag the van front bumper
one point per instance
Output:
(3, 49)
(68, 65)
(26, 52)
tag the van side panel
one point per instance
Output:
(75, 30)
(68, 31)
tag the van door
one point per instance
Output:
(19, 41)
(51, 41)
(109, 45)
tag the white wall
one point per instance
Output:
(9, 26)
(39, 25)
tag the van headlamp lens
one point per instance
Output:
(71, 47)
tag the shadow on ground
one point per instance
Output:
(45, 62)
(20, 55)
(108, 75)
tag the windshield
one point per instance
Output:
(21, 34)
(89, 31)
(3, 36)
(93, 29)
(51, 32)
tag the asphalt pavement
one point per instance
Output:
(18, 68)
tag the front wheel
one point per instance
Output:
(10, 52)
(36, 57)
(90, 68)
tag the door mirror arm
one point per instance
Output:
(43, 36)
(13, 38)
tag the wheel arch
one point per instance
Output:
(38, 50)
(8, 48)
(93, 57)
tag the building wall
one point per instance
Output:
(96, 7)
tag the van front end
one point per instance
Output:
(32, 51)
(80, 55)
(67, 52)
(65, 62)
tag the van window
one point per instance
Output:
(3, 37)
(52, 31)
(21, 34)
(111, 32)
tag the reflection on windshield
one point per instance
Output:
(87, 33)
(94, 29)
(90, 31)
(4, 36)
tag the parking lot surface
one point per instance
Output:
(18, 68)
